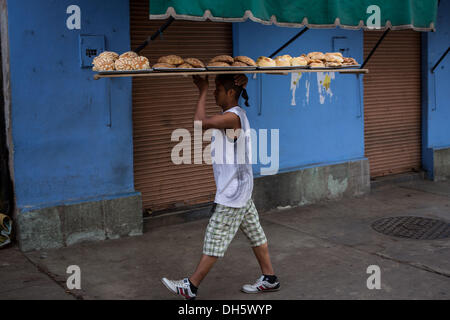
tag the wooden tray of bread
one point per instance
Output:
(111, 64)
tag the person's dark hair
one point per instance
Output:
(227, 80)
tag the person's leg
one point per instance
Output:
(255, 234)
(263, 257)
(203, 267)
(251, 227)
(221, 229)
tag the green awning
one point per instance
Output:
(419, 15)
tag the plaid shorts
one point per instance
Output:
(223, 226)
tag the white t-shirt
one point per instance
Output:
(232, 165)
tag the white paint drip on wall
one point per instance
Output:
(323, 85)
(295, 79)
(307, 84)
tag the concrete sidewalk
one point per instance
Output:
(319, 251)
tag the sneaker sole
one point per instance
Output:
(262, 291)
(173, 292)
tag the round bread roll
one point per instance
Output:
(349, 61)
(124, 64)
(248, 61)
(171, 59)
(103, 64)
(331, 57)
(140, 63)
(266, 62)
(239, 64)
(223, 58)
(282, 62)
(333, 64)
(185, 66)
(316, 56)
(196, 63)
(287, 57)
(317, 64)
(163, 65)
(218, 64)
(129, 54)
(108, 55)
(335, 53)
(299, 61)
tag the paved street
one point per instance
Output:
(320, 251)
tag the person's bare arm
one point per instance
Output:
(224, 121)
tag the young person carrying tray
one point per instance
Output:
(233, 207)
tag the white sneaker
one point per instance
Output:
(180, 287)
(261, 286)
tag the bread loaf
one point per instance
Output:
(248, 61)
(223, 58)
(103, 64)
(316, 56)
(171, 59)
(140, 63)
(185, 66)
(129, 54)
(282, 61)
(265, 62)
(123, 64)
(163, 65)
(332, 57)
(196, 63)
(218, 64)
(239, 64)
(299, 61)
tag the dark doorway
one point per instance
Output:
(6, 194)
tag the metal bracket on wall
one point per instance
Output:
(433, 107)
(439, 61)
(290, 41)
(360, 95)
(374, 48)
(155, 35)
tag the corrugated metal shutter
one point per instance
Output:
(392, 103)
(161, 105)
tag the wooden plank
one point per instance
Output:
(186, 74)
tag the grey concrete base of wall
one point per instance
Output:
(441, 164)
(64, 225)
(310, 185)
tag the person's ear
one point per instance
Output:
(231, 93)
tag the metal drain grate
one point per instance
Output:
(418, 228)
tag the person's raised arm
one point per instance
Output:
(223, 121)
(202, 85)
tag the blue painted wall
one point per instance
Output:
(72, 135)
(323, 127)
(72, 140)
(435, 91)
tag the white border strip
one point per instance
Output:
(207, 15)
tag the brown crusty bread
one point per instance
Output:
(171, 59)
(244, 59)
(218, 64)
(163, 65)
(223, 58)
(239, 64)
(185, 66)
(196, 63)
